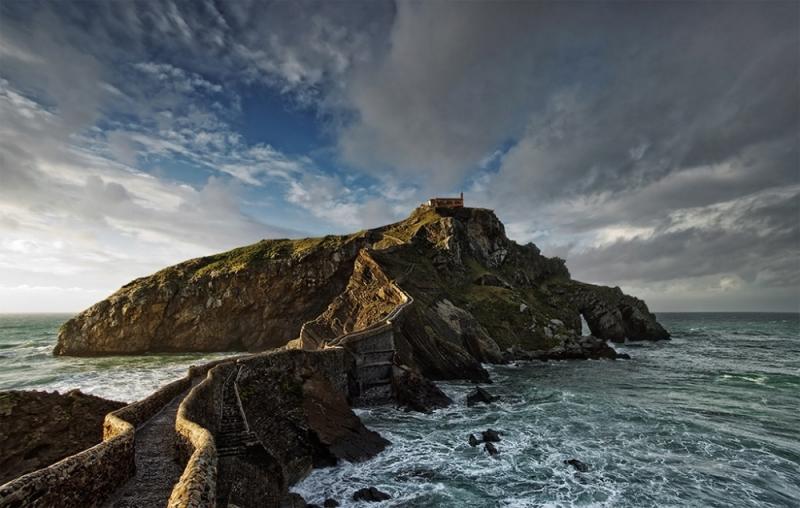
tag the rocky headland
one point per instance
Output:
(479, 297)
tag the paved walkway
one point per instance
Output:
(156, 469)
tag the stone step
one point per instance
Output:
(374, 364)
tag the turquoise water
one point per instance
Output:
(711, 418)
(27, 363)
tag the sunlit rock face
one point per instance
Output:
(477, 294)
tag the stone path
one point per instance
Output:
(156, 469)
(233, 438)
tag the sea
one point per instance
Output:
(710, 418)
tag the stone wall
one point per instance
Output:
(197, 420)
(88, 478)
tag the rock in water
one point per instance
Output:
(473, 441)
(371, 495)
(330, 503)
(479, 396)
(491, 436)
(578, 465)
(417, 393)
(490, 448)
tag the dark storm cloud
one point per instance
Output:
(647, 142)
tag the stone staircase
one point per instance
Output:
(232, 437)
(375, 376)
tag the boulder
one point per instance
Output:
(479, 396)
(491, 436)
(490, 449)
(370, 494)
(473, 441)
(578, 465)
(330, 503)
(416, 393)
(296, 405)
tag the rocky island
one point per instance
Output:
(328, 324)
(479, 295)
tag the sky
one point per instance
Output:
(653, 145)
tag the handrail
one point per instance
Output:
(239, 399)
(378, 325)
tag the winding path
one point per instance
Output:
(157, 472)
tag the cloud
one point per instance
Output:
(653, 146)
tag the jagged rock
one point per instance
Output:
(370, 494)
(615, 316)
(578, 465)
(473, 441)
(330, 503)
(40, 428)
(416, 393)
(476, 294)
(490, 436)
(316, 425)
(479, 396)
(573, 348)
(490, 449)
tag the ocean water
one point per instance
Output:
(710, 418)
(27, 363)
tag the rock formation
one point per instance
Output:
(40, 428)
(477, 295)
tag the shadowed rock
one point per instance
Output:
(476, 293)
(416, 393)
(490, 436)
(370, 494)
(479, 396)
(578, 465)
(40, 428)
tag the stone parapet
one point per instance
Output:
(88, 478)
(195, 425)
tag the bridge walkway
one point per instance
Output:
(157, 471)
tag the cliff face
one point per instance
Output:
(476, 295)
(252, 298)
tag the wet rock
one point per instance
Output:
(473, 441)
(623, 356)
(478, 396)
(578, 465)
(586, 347)
(330, 503)
(370, 494)
(613, 315)
(490, 449)
(416, 393)
(491, 436)
(416, 474)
